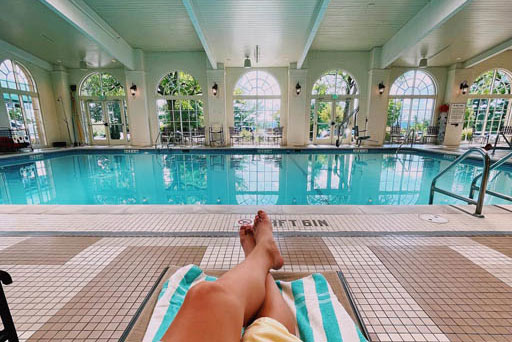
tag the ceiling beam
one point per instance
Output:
(82, 17)
(24, 55)
(506, 45)
(430, 17)
(318, 16)
(190, 7)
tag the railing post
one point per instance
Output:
(483, 185)
(432, 191)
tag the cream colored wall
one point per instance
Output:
(54, 127)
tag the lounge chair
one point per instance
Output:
(235, 135)
(431, 135)
(396, 134)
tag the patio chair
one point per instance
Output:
(235, 135)
(431, 135)
(507, 132)
(277, 135)
(396, 134)
(198, 134)
(216, 135)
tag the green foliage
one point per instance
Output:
(101, 85)
(394, 112)
(335, 82)
(179, 83)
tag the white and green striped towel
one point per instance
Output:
(320, 317)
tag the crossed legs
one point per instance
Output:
(216, 311)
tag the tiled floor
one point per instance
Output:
(81, 277)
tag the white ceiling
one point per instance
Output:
(150, 25)
(479, 26)
(232, 29)
(33, 27)
(360, 25)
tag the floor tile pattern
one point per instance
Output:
(45, 250)
(465, 301)
(408, 288)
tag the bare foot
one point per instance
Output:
(263, 235)
(247, 241)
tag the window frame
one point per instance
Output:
(33, 94)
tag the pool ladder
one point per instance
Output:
(494, 166)
(406, 139)
(486, 163)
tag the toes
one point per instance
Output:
(263, 215)
(244, 229)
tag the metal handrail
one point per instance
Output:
(486, 161)
(509, 143)
(490, 192)
(405, 139)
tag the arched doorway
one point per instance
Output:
(104, 118)
(257, 105)
(20, 96)
(412, 99)
(335, 96)
(488, 109)
(180, 107)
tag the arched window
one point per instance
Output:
(180, 107)
(412, 99)
(335, 96)
(256, 104)
(19, 94)
(488, 109)
(104, 119)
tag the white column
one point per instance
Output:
(138, 115)
(453, 94)
(377, 107)
(60, 81)
(298, 116)
(217, 114)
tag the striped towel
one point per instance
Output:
(319, 315)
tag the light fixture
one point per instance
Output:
(133, 89)
(215, 89)
(464, 87)
(381, 88)
(423, 63)
(247, 62)
(83, 65)
(298, 89)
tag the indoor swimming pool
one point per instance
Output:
(238, 178)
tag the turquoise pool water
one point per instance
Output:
(243, 179)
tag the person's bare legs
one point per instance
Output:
(216, 311)
(273, 305)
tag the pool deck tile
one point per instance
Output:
(410, 286)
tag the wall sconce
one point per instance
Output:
(298, 89)
(215, 89)
(381, 88)
(133, 89)
(464, 87)
(247, 62)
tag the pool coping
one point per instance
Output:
(91, 209)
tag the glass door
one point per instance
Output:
(328, 115)
(97, 123)
(107, 122)
(116, 124)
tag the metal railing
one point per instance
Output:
(486, 162)
(405, 139)
(481, 187)
(509, 143)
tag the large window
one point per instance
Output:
(20, 96)
(412, 100)
(334, 96)
(257, 103)
(488, 108)
(180, 105)
(104, 118)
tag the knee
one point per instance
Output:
(210, 293)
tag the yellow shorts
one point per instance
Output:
(266, 329)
